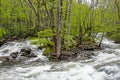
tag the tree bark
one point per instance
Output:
(59, 25)
(69, 19)
(118, 8)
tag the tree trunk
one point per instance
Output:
(59, 25)
(65, 19)
(118, 8)
(69, 19)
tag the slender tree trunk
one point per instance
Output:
(65, 19)
(59, 26)
(52, 23)
(101, 40)
(36, 12)
(118, 7)
(69, 19)
(80, 27)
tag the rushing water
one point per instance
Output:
(104, 66)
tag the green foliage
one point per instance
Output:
(41, 42)
(2, 32)
(69, 42)
(20, 20)
(46, 33)
(114, 35)
(44, 38)
(88, 41)
(47, 51)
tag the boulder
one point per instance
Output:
(27, 52)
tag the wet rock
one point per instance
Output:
(82, 57)
(32, 55)
(28, 54)
(18, 56)
(68, 56)
(76, 55)
(14, 54)
(26, 50)
(24, 54)
(85, 55)
(4, 58)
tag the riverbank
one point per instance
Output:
(24, 50)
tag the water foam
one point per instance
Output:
(98, 69)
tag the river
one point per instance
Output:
(105, 65)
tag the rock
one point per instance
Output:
(32, 55)
(67, 56)
(4, 58)
(24, 54)
(83, 57)
(26, 50)
(28, 54)
(76, 54)
(14, 54)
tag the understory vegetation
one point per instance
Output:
(60, 25)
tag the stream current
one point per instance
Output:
(105, 65)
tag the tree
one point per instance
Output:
(59, 26)
(117, 3)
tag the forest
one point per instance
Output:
(60, 25)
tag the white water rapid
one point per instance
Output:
(104, 66)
